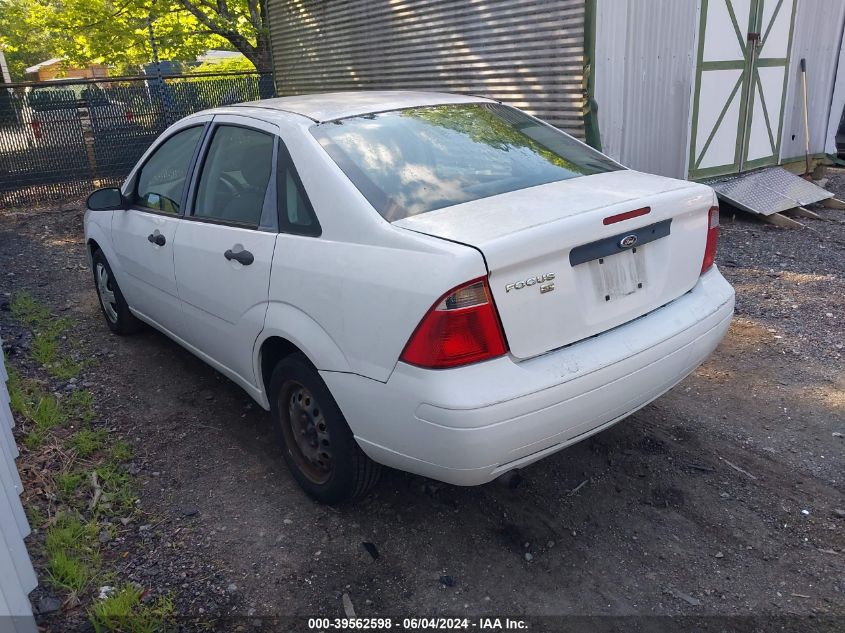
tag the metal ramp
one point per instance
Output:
(767, 191)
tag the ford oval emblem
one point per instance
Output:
(628, 241)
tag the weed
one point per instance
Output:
(44, 348)
(86, 442)
(27, 310)
(80, 405)
(48, 414)
(124, 611)
(65, 368)
(23, 392)
(72, 555)
(68, 483)
(34, 439)
(46, 332)
(118, 493)
(35, 516)
(69, 572)
(121, 452)
(17, 396)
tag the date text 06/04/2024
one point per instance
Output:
(416, 624)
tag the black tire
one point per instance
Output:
(118, 317)
(347, 473)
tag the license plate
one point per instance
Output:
(619, 275)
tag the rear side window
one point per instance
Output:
(161, 180)
(411, 161)
(296, 215)
(235, 176)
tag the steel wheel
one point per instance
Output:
(305, 431)
(106, 292)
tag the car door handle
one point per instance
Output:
(157, 239)
(244, 257)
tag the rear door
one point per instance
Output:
(224, 247)
(143, 235)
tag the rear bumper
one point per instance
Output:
(466, 426)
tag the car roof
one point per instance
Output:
(329, 106)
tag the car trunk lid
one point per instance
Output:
(559, 273)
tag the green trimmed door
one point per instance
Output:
(740, 88)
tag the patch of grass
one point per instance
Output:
(26, 309)
(23, 393)
(46, 333)
(69, 483)
(86, 442)
(44, 348)
(80, 405)
(48, 414)
(118, 492)
(69, 572)
(124, 611)
(35, 517)
(65, 368)
(72, 554)
(34, 439)
(121, 452)
(90, 471)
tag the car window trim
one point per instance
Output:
(199, 165)
(191, 165)
(285, 226)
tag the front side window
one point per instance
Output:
(411, 161)
(235, 176)
(161, 180)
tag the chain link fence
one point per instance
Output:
(61, 139)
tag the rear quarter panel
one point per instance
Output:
(360, 303)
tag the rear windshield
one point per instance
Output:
(407, 162)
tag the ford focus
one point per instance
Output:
(437, 283)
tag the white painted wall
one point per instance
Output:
(644, 77)
(818, 39)
(17, 578)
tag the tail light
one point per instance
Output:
(461, 328)
(712, 238)
(130, 116)
(36, 129)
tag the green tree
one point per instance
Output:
(115, 32)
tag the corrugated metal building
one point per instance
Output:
(526, 53)
(17, 577)
(697, 88)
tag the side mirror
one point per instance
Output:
(107, 199)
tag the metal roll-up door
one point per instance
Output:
(527, 53)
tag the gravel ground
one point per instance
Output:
(724, 497)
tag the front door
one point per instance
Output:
(743, 57)
(224, 247)
(144, 234)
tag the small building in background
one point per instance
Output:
(219, 57)
(58, 68)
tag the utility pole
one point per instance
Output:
(163, 95)
(153, 46)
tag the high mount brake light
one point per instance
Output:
(461, 328)
(627, 215)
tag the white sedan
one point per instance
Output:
(437, 283)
